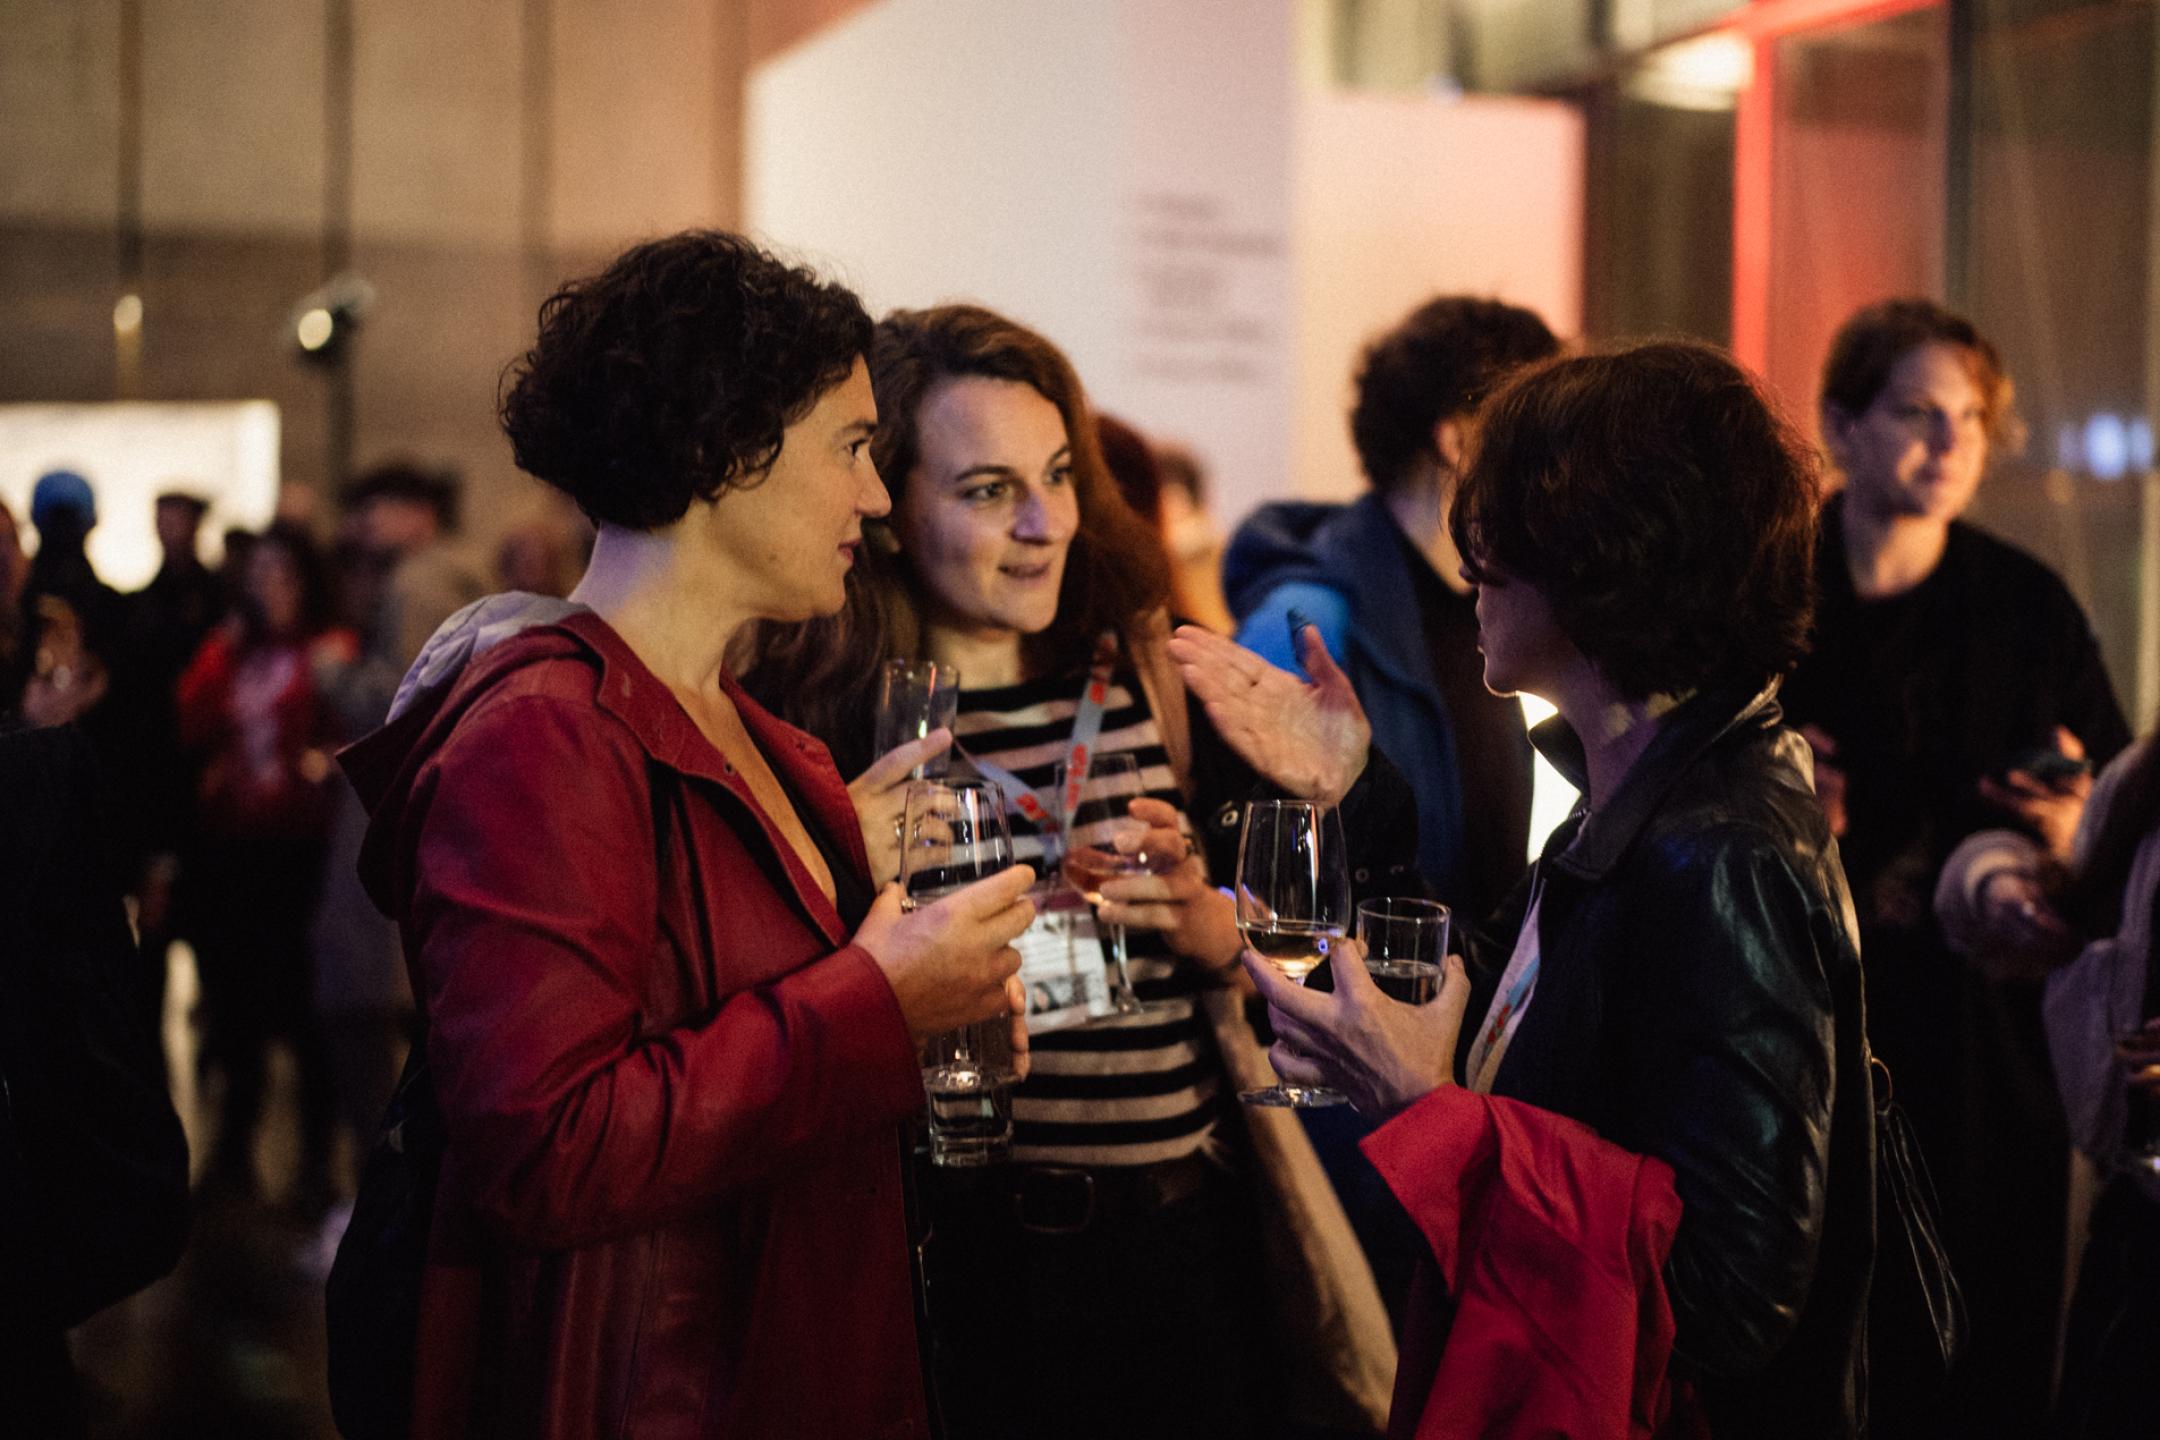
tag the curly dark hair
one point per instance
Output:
(1441, 361)
(1663, 507)
(671, 375)
(822, 675)
(1872, 341)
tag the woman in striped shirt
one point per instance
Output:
(1106, 1282)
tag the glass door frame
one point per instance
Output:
(1763, 25)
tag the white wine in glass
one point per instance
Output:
(1293, 905)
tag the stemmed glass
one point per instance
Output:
(953, 833)
(1092, 817)
(915, 697)
(1404, 941)
(1293, 905)
(2137, 1043)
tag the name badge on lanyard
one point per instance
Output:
(1061, 955)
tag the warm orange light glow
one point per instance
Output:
(1754, 147)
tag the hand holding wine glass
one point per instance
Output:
(954, 840)
(951, 962)
(880, 797)
(1195, 919)
(1293, 905)
(1383, 1054)
(1101, 839)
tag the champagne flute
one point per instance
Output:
(1404, 941)
(1092, 817)
(953, 833)
(915, 697)
(1293, 905)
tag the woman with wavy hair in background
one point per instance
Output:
(1106, 1282)
(1953, 684)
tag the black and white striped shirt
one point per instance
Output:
(1119, 1091)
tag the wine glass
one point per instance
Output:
(1404, 941)
(915, 697)
(953, 833)
(1293, 905)
(1092, 817)
(2137, 1043)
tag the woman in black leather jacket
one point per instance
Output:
(1680, 971)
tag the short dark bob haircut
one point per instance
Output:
(1870, 343)
(1662, 506)
(1439, 362)
(672, 374)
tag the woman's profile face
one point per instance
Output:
(988, 516)
(1525, 649)
(1919, 449)
(790, 537)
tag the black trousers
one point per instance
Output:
(1067, 1303)
(2112, 1355)
(250, 904)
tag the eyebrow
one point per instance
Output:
(866, 427)
(975, 472)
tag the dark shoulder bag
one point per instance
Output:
(1916, 1302)
(373, 1298)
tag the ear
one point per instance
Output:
(1836, 430)
(1451, 441)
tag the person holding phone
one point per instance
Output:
(2091, 928)
(1117, 1248)
(671, 1027)
(1953, 685)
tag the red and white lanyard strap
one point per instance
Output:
(1079, 752)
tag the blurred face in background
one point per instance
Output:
(177, 521)
(396, 524)
(1918, 451)
(988, 517)
(274, 588)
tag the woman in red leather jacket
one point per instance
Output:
(1670, 1005)
(671, 1027)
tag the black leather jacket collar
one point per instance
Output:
(1594, 844)
(1700, 1001)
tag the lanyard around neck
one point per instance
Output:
(1079, 751)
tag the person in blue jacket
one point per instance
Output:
(1381, 580)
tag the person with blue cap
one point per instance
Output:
(64, 510)
(65, 498)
